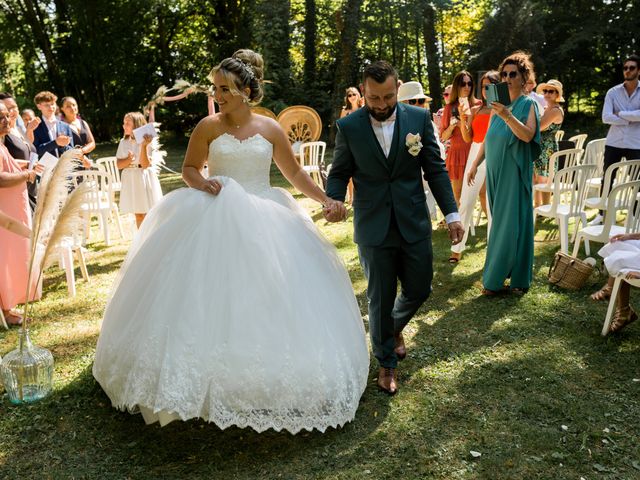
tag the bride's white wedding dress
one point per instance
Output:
(234, 309)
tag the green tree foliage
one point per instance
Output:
(112, 55)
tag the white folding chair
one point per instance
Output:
(620, 172)
(66, 250)
(569, 192)
(312, 159)
(110, 165)
(99, 202)
(559, 135)
(635, 282)
(622, 199)
(571, 158)
(579, 140)
(594, 154)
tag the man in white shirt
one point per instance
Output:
(622, 111)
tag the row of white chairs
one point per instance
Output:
(99, 201)
(571, 186)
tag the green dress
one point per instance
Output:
(509, 191)
(548, 145)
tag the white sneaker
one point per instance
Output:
(596, 221)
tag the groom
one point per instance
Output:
(384, 147)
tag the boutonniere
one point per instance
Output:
(413, 143)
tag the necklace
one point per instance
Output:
(231, 123)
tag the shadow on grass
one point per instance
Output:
(113, 441)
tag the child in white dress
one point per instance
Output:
(140, 185)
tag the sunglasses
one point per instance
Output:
(466, 84)
(351, 95)
(544, 90)
(419, 101)
(512, 74)
(629, 67)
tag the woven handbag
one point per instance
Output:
(569, 272)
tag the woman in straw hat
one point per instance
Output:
(550, 123)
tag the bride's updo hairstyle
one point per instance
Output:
(243, 69)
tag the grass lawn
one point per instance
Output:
(526, 382)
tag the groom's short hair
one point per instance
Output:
(379, 71)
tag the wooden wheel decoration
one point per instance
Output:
(264, 112)
(301, 124)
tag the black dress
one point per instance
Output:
(81, 137)
(21, 150)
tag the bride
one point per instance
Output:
(230, 306)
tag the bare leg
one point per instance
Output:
(623, 296)
(139, 219)
(457, 190)
(483, 198)
(605, 292)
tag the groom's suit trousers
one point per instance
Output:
(389, 311)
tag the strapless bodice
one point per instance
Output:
(247, 161)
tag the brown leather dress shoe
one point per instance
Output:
(387, 380)
(400, 349)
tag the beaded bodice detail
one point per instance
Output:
(247, 161)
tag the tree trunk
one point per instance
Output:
(274, 38)
(348, 23)
(433, 60)
(42, 39)
(310, 28)
(417, 38)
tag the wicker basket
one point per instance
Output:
(569, 272)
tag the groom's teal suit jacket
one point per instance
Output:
(383, 185)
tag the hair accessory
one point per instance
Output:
(247, 68)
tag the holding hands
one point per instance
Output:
(333, 210)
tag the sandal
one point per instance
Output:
(519, 291)
(493, 293)
(622, 318)
(13, 318)
(603, 294)
(455, 257)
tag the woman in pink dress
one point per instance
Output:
(14, 249)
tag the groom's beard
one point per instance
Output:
(380, 115)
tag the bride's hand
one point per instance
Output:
(211, 186)
(334, 211)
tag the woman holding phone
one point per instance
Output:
(470, 193)
(510, 147)
(456, 127)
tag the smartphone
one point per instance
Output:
(498, 92)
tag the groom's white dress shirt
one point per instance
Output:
(384, 133)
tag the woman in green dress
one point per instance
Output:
(511, 146)
(550, 122)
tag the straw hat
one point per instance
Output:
(411, 91)
(551, 84)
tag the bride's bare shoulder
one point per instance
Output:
(269, 129)
(208, 128)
